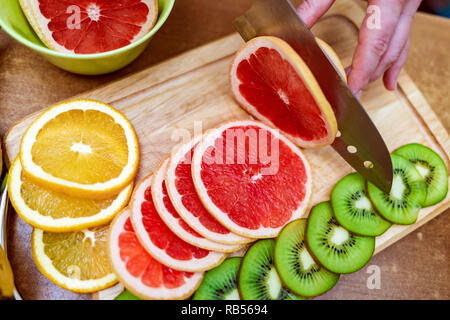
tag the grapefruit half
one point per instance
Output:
(170, 216)
(94, 26)
(139, 272)
(251, 178)
(164, 245)
(181, 189)
(271, 82)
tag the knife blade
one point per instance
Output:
(357, 132)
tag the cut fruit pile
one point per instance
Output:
(337, 238)
(94, 26)
(214, 195)
(242, 187)
(73, 174)
(244, 181)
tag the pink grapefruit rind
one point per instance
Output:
(211, 260)
(173, 223)
(263, 232)
(232, 241)
(40, 23)
(288, 54)
(135, 284)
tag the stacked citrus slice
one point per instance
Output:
(237, 183)
(74, 173)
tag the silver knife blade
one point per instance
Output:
(279, 18)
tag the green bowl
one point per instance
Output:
(14, 22)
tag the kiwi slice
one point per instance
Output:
(258, 278)
(127, 295)
(353, 209)
(336, 248)
(408, 193)
(220, 283)
(431, 167)
(297, 269)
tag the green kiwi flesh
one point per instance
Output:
(220, 283)
(353, 209)
(431, 167)
(297, 269)
(408, 193)
(336, 248)
(258, 278)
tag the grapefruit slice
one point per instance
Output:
(270, 80)
(139, 272)
(251, 178)
(94, 26)
(181, 189)
(164, 245)
(170, 216)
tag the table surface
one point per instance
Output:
(416, 267)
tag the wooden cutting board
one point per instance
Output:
(169, 101)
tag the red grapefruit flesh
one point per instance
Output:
(270, 80)
(140, 272)
(90, 26)
(184, 197)
(164, 245)
(251, 178)
(170, 216)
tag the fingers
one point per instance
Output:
(400, 39)
(373, 42)
(390, 77)
(311, 10)
(395, 48)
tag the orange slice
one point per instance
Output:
(57, 212)
(77, 261)
(83, 148)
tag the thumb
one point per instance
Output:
(311, 10)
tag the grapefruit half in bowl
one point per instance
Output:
(87, 27)
(272, 82)
(251, 178)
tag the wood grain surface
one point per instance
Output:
(407, 267)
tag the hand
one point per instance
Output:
(380, 51)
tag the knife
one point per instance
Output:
(359, 142)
